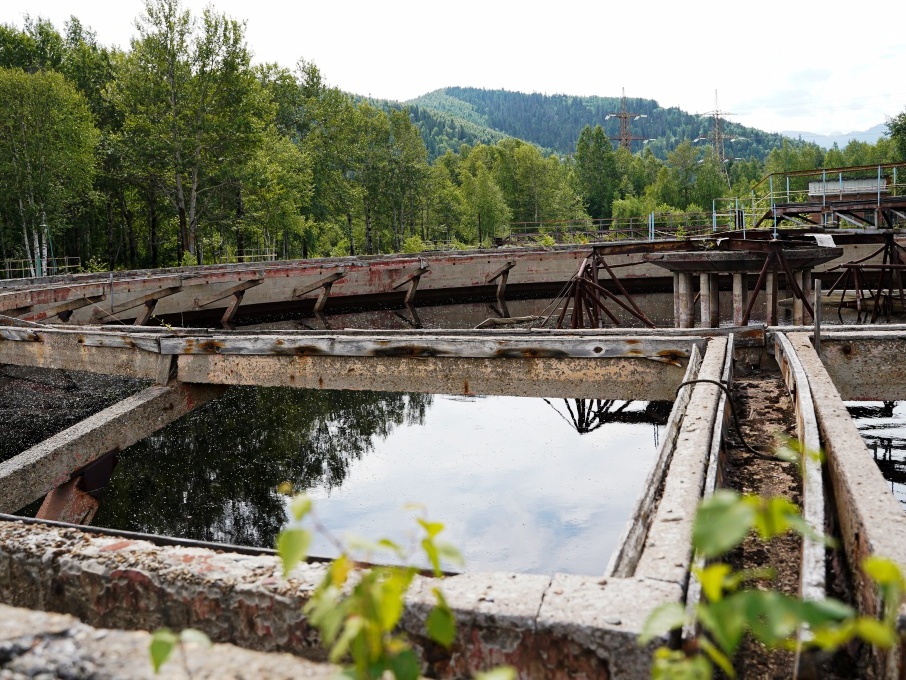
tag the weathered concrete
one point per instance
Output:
(42, 645)
(35, 472)
(548, 626)
(812, 578)
(870, 519)
(575, 378)
(629, 547)
(668, 548)
(866, 364)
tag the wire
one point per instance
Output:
(755, 452)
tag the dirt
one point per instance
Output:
(37, 403)
(767, 419)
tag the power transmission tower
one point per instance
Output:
(626, 137)
(717, 131)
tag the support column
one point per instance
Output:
(714, 317)
(805, 283)
(740, 296)
(704, 287)
(676, 300)
(686, 300)
(770, 296)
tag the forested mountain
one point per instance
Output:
(180, 150)
(554, 121)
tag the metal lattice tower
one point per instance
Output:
(626, 137)
(717, 131)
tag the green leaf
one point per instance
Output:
(712, 579)
(194, 636)
(875, 632)
(717, 657)
(662, 620)
(292, 547)
(162, 643)
(405, 666)
(772, 517)
(389, 604)
(823, 612)
(431, 528)
(772, 616)
(433, 555)
(441, 623)
(450, 553)
(882, 571)
(300, 507)
(499, 673)
(721, 523)
(351, 628)
(725, 620)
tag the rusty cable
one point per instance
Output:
(753, 451)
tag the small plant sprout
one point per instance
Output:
(356, 607)
(730, 610)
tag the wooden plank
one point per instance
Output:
(226, 292)
(54, 351)
(90, 338)
(299, 292)
(136, 301)
(35, 472)
(656, 348)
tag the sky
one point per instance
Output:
(775, 65)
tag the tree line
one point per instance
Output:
(179, 150)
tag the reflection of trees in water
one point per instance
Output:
(212, 475)
(889, 452)
(587, 415)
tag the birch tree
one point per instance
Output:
(47, 142)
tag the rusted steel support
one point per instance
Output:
(152, 297)
(145, 313)
(501, 275)
(230, 312)
(413, 280)
(39, 470)
(227, 292)
(77, 501)
(320, 283)
(588, 296)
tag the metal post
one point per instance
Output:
(823, 188)
(787, 188)
(816, 305)
(879, 191)
(714, 214)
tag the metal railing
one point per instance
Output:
(248, 255)
(26, 269)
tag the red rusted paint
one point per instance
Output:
(119, 545)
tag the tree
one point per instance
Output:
(897, 128)
(485, 209)
(193, 106)
(47, 142)
(596, 171)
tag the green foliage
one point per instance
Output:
(164, 641)
(357, 609)
(730, 610)
(413, 244)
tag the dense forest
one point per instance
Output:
(180, 151)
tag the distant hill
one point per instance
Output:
(871, 136)
(457, 115)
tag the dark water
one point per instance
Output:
(883, 427)
(527, 485)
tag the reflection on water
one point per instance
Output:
(520, 485)
(882, 425)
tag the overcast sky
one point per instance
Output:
(777, 65)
